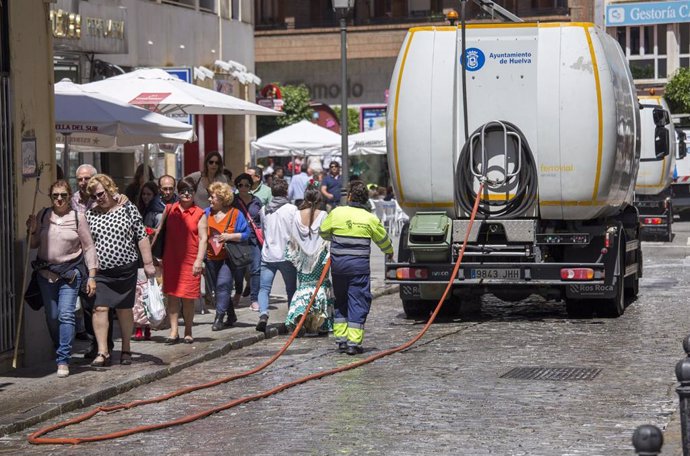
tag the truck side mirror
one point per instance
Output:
(661, 142)
(661, 117)
(682, 148)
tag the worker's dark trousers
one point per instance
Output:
(352, 304)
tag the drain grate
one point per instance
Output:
(552, 373)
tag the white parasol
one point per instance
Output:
(160, 91)
(88, 118)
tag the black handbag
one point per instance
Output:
(32, 295)
(158, 242)
(239, 253)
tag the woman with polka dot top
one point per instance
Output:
(120, 238)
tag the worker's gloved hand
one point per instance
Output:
(389, 258)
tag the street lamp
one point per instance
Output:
(342, 8)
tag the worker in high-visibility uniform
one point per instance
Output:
(350, 229)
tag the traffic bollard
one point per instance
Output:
(648, 440)
(683, 390)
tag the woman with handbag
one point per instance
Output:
(120, 237)
(250, 206)
(226, 226)
(64, 243)
(183, 258)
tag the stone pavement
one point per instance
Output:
(34, 394)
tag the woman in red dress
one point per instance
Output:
(183, 259)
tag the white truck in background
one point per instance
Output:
(654, 178)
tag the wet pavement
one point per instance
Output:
(446, 395)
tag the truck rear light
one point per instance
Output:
(607, 241)
(577, 274)
(411, 273)
(653, 221)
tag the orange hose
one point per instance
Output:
(36, 438)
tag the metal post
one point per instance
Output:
(683, 390)
(648, 440)
(345, 168)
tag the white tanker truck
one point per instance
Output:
(549, 120)
(654, 178)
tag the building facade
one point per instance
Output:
(298, 42)
(655, 36)
(95, 39)
(26, 147)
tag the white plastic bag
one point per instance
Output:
(153, 303)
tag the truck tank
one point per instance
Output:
(565, 87)
(654, 176)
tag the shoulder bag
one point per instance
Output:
(158, 242)
(32, 294)
(258, 232)
(239, 253)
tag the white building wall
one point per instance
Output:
(159, 34)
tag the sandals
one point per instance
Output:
(101, 360)
(172, 340)
(188, 340)
(125, 358)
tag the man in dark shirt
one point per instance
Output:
(166, 183)
(332, 185)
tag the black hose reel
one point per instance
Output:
(519, 186)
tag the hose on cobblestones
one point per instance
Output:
(35, 437)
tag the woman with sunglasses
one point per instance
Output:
(212, 172)
(120, 237)
(225, 224)
(183, 259)
(64, 242)
(250, 206)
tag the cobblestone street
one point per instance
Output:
(443, 396)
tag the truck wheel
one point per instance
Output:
(614, 307)
(632, 283)
(417, 308)
(579, 308)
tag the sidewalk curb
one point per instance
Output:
(90, 396)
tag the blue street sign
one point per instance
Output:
(622, 14)
(185, 74)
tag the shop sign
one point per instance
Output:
(372, 117)
(94, 28)
(625, 14)
(185, 74)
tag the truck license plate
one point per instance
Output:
(495, 273)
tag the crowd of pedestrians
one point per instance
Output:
(214, 234)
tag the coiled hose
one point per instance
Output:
(523, 197)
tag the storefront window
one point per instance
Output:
(645, 48)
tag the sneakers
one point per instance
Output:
(254, 306)
(263, 322)
(354, 350)
(62, 370)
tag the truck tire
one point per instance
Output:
(417, 308)
(632, 283)
(615, 307)
(579, 308)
